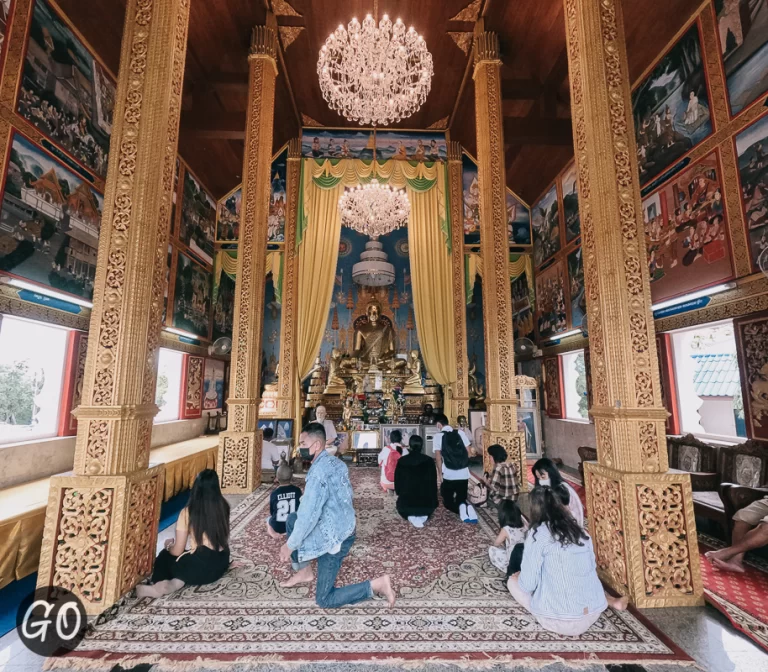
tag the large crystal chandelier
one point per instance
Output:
(374, 209)
(375, 75)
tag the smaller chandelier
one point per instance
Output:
(375, 75)
(374, 209)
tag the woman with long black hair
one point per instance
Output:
(558, 580)
(546, 473)
(205, 523)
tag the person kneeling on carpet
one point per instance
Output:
(750, 531)
(283, 501)
(513, 529)
(452, 458)
(558, 580)
(416, 484)
(205, 522)
(504, 483)
(547, 474)
(323, 529)
(388, 458)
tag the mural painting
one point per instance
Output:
(224, 270)
(411, 146)
(476, 338)
(49, 222)
(576, 285)
(213, 385)
(5, 15)
(743, 29)
(228, 218)
(550, 301)
(270, 339)
(277, 202)
(191, 297)
(324, 143)
(671, 107)
(350, 144)
(686, 232)
(518, 221)
(198, 219)
(752, 151)
(471, 197)
(569, 186)
(545, 218)
(65, 93)
(522, 307)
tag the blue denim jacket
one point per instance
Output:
(326, 516)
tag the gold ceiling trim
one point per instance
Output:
(288, 34)
(463, 40)
(282, 8)
(306, 120)
(470, 12)
(439, 125)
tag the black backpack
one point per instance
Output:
(454, 451)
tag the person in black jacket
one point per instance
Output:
(416, 484)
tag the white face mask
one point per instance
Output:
(544, 481)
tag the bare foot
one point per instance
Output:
(302, 576)
(272, 533)
(617, 603)
(146, 590)
(728, 566)
(721, 554)
(383, 586)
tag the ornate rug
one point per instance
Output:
(742, 598)
(452, 606)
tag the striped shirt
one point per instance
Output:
(562, 580)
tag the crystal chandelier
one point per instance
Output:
(375, 75)
(374, 209)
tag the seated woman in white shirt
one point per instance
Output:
(331, 443)
(546, 473)
(558, 582)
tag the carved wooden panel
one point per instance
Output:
(192, 387)
(752, 348)
(74, 373)
(668, 388)
(553, 387)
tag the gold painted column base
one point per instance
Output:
(101, 534)
(514, 444)
(239, 462)
(644, 535)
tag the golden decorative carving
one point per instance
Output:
(244, 472)
(282, 8)
(501, 395)
(194, 392)
(463, 40)
(309, 121)
(753, 339)
(288, 34)
(141, 532)
(636, 554)
(11, 304)
(439, 125)
(470, 12)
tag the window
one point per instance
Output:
(32, 360)
(575, 384)
(168, 391)
(708, 383)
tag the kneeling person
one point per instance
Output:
(282, 502)
(416, 484)
(452, 458)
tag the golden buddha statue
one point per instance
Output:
(413, 384)
(374, 341)
(336, 384)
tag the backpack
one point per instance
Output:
(454, 451)
(389, 467)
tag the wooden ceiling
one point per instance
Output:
(534, 76)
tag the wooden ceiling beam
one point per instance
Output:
(537, 131)
(215, 126)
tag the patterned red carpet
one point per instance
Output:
(452, 606)
(743, 598)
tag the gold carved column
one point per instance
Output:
(288, 383)
(641, 515)
(101, 523)
(501, 395)
(239, 461)
(460, 392)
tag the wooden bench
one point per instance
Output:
(22, 507)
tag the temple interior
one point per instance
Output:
(545, 219)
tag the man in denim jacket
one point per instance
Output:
(324, 529)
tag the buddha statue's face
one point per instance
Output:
(373, 313)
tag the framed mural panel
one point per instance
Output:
(529, 422)
(741, 27)
(224, 268)
(197, 225)
(554, 403)
(577, 293)
(471, 199)
(550, 301)
(411, 145)
(545, 219)
(49, 222)
(65, 92)
(518, 220)
(569, 188)
(191, 297)
(671, 106)
(339, 143)
(686, 232)
(752, 154)
(752, 348)
(192, 387)
(213, 385)
(522, 307)
(228, 217)
(277, 202)
(6, 11)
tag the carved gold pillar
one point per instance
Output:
(641, 515)
(287, 382)
(101, 523)
(239, 462)
(460, 389)
(501, 395)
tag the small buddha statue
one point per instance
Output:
(413, 384)
(336, 384)
(346, 414)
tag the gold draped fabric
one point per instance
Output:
(518, 264)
